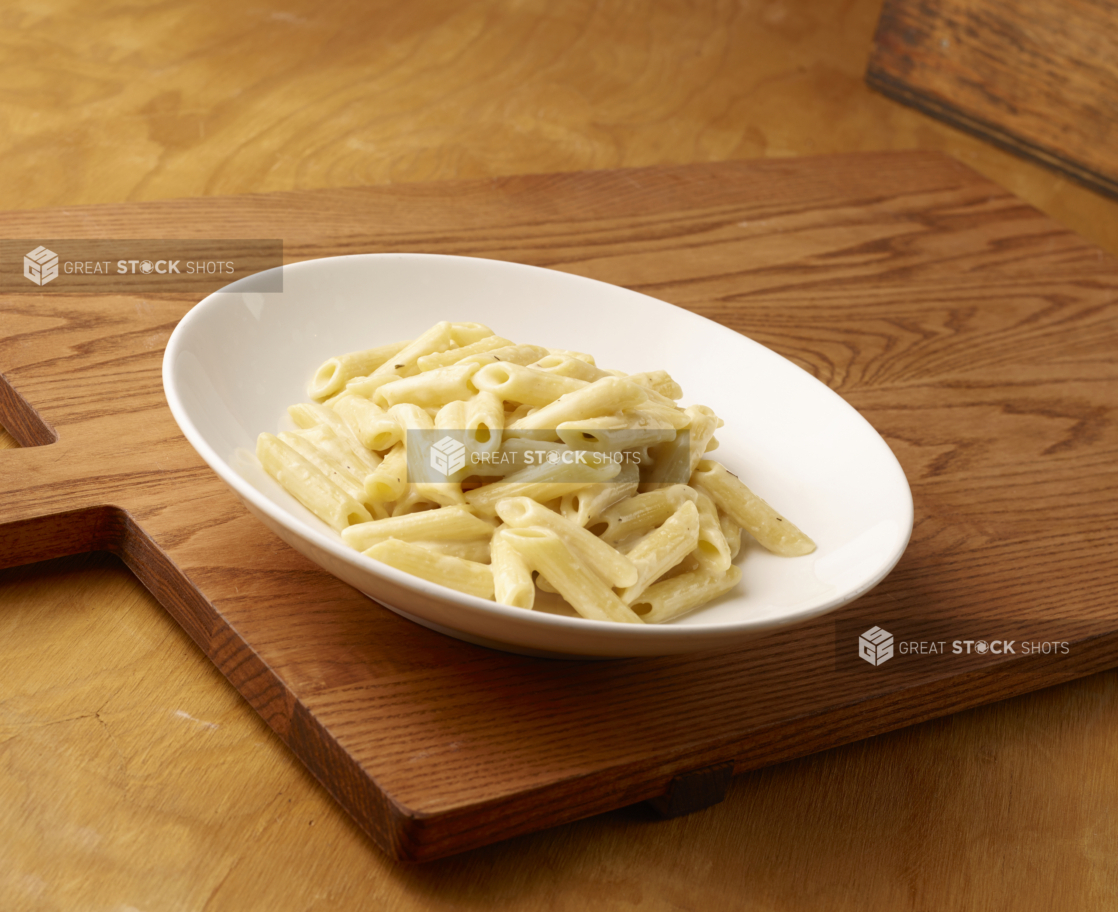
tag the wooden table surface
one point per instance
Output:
(137, 778)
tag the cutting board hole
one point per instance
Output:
(20, 424)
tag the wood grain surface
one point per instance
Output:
(975, 334)
(137, 778)
(102, 103)
(1038, 78)
(1007, 806)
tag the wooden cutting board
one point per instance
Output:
(974, 333)
(1038, 78)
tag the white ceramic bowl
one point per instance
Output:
(238, 359)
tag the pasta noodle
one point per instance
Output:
(552, 473)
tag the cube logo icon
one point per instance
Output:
(876, 646)
(40, 265)
(448, 456)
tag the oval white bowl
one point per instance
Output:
(239, 358)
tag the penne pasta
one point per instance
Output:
(516, 383)
(652, 414)
(616, 569)
(637, 515)
(566, 366)
(546, 553)
(701, 432)
(772, 531)
(485, 422)
(510, 354)
(370, 424)
(312, 414)
(627, 430)
(602, 397)
(580, 507)
(463, 334)
(512, 578)
(658, 381)
(475, 549)
(411, 501)
(359, 460)
(436, 339)
(484, 502)
(432, 389)
(389, 481)
(308, 485)
(411, 417)
(731, 531)
(333, 375)
(663, 548)
(338, 473)
(498, 468)
(444, 524)
(578, 356)
(451, 416)
(466, 576)
(455, 355)
(712, 550)
(682, 594)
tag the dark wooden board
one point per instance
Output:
(1037, 78)
(978, 336)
